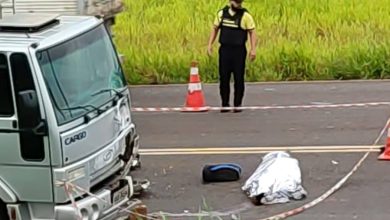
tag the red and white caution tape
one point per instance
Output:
(207, 108)
(331, 190)
(69, 192)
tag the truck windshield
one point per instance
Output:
(77, 70)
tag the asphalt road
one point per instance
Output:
(176, 179)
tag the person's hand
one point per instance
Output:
(210, 50)
(252, 55)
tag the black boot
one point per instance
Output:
(225, 110)
(237, 110)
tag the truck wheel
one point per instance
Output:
(3, 211)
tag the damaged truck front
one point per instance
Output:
(65, 120)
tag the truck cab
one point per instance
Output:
(64, 119)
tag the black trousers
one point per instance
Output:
(232, 60)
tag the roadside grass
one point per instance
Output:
(299, 40)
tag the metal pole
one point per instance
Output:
(13, 6)
(1, 10)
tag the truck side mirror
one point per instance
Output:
(29, 115)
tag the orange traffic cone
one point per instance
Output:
(386, 153)
(195, 101)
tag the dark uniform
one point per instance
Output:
(234, 27)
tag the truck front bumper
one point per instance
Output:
(106, 204)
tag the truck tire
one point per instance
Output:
(3, 211)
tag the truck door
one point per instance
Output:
(24, 146)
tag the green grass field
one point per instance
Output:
(299, 39)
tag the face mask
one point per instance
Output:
(235, 8)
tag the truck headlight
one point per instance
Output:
(75, 174)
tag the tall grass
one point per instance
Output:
(299, 39)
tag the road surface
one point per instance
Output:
(176, 177)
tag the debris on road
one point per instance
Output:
(276, 180)
(140, 212)
(140, 186)
(235, 217)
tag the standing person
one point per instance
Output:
(235, 24)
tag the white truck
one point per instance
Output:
(64, 119)
(108, 9)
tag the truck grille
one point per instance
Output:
(105, 172)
